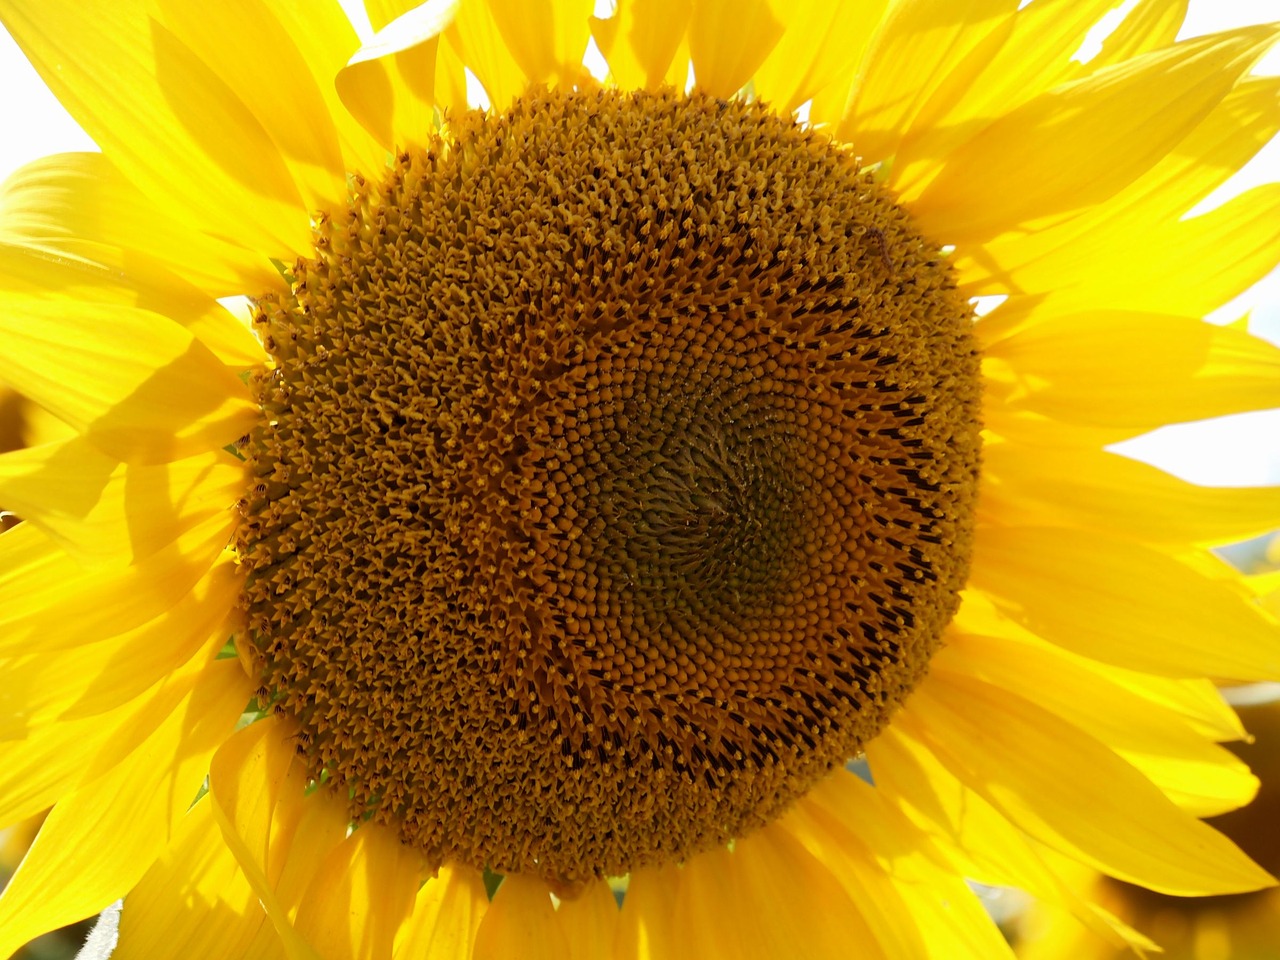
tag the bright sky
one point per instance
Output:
(1231, 451)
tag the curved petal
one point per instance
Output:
(922, 46)
(113, 828)
(1074, 146)
(821, 49)
(641, 40)
(78, 210)
(521, 922)
(1123, 603)
(1079, 369)
(165, 119)
(848, 819)
(103, 511)
(49, 601)
(1113, 494)
(1072, 793)
(729, 40)
(134, 383)
(590, 922)
(445, 917)
(194, 903)
(389, 83)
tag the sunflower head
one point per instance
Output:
(616, 479)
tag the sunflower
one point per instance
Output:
(1246, 926)
(576, 486)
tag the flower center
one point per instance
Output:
(616, 480)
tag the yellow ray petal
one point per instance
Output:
(1196, 702)
(1201, 777)
(164, 118)
(1035, 55)
(1075, 263)
(590, 922)
(1114, 494)
(1122, 603)
(1080, 369)
(108, 832)
(978, 840)
(98, 677)
(278, 835)
(510, 44)
(821, 47)
(359, 895)
(73, 205)
(1150, 25)
(135, 383)
(640, 42)
(105, 512)
(54, 761)
(48, 601)
(521, 922)
(1044, 773)
(923, 45)
(728, 40)
(847, 815)
(194, 903)
(445, 917)
(249, 49)
(1078, 139)
(768, 898)
(389, 83)
(646, 926)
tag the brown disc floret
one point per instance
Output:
(616, 479)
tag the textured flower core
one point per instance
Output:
(616, 480)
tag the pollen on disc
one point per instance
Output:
(616, 479)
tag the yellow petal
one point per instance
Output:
(279, 836)
(640, 42)
(510, 44)
(247, 47)
(1081, 369)
(728, 40)
(389, 83)
(102, 511)
(848, 819)
(165, 119)
(646, 926)
(1196, 702)
(48, 601)
(79, 211)
(445, 917)
(821, 48)
(1125, 604)
(521, 922)
(1074, 265)
(1069, 791)
(108, 832)
(768, 898)
(1151, 24)
(979, 841)
(360, 895)
(194, 903)
(590, 922)
(1199, 776)
(1113, 494)
(1035, 55)
(1074, 146)
(98, 677)
(135, 383)
(922, 46)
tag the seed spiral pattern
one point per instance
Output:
(615, 479)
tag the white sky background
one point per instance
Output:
(1231, 451)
